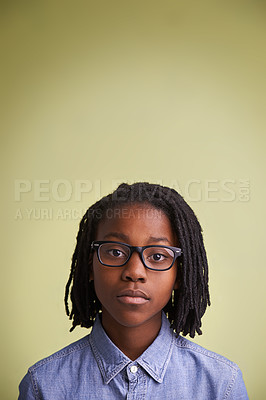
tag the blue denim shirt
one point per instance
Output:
(171, 368)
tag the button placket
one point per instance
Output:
(133, 369)
(132, 373)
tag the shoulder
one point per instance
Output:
(208, 370)
(74, 350)
(197, 352)
(71, 361)
(75, 360)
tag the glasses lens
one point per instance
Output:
(158, 257)
(114, 254)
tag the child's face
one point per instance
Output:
(137, 225)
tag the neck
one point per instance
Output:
(132, 341)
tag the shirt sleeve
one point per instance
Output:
(26, 390)
(238, 389)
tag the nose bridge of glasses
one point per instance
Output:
(139, 250)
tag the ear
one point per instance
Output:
(91, 275)
(178, 279)
(177, 284)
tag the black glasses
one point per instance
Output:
(116, 254)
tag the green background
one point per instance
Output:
(98, 92)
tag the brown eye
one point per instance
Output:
(157, 257)
(115, 253)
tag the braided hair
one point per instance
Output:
(188, 303)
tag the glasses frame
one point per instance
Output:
(95, 245)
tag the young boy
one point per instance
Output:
(139, 277)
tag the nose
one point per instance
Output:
(134, 270)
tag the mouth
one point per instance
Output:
(133, 297)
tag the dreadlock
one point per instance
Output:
(189, 302)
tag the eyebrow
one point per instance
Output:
(117, 235)
(125, 238)
(159, 239)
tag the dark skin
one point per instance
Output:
(133, 323)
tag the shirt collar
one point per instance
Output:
(111, 360)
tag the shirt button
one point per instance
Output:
(134, 369)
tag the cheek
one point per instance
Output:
(173, 281)
(104, 280)
(99, 279)
(166, 283)
(100, 289)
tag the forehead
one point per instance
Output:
(137, 222)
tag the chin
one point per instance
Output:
(134, 318)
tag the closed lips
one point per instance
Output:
(133, 293)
